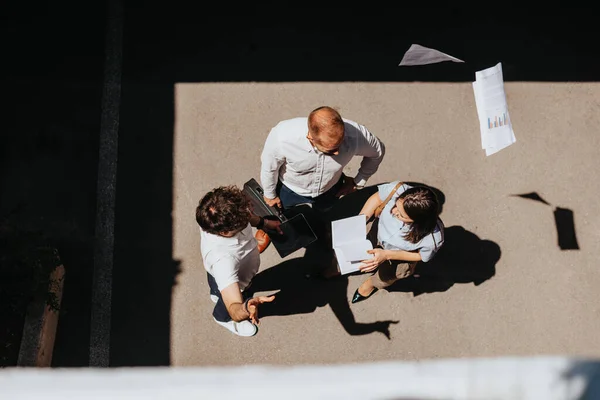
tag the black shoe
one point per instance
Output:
(359, 297)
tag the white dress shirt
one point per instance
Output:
(230, 259)
(289, 156)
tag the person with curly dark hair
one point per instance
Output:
(230, 256)
(407, 231)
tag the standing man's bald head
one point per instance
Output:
(325, 124)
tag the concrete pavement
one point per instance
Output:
(537, 299)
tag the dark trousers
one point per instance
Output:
(317, 216)
(321, 203)
(220, 312)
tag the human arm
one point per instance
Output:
(271, 160)
(265, 224)
(347, 187)
(370, 205)
(378, 198)
(372, 149)
(381, 255)
(274, 202)
(240, 310)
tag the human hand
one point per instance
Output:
(275, 202)
(347, 187)
(384, 327)
(372, 263)
(273, 225)
(253, 304)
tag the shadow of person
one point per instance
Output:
(464, 258)
(351, 204)
(299, 295)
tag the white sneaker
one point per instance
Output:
(244, 328)
(214, 298)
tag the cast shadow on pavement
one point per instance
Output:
(564, 221)
(464, 258)
(351, 204)
(144, 271)
(255, 47)
(299, 295)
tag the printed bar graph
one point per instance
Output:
(497, 121)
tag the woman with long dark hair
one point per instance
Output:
(407, 231)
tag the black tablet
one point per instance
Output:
(297, 234)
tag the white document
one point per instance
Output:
(350, 243)
(492, 110)
(421, 55)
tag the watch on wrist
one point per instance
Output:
(261, 223)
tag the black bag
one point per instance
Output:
(297, 233)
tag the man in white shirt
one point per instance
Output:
(231, 257)
(307, 157)
(303, 159)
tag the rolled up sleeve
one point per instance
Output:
(271, 160)
(224, 270)
(426, 253)
(372, 149)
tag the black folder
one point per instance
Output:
(297, 233)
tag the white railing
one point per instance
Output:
(544, 378)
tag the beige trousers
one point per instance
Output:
(389, 271)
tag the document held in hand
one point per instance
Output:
(350, 243)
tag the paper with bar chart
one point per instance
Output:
(494, 120)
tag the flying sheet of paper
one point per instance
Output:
(492, 110)
(420, 55)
